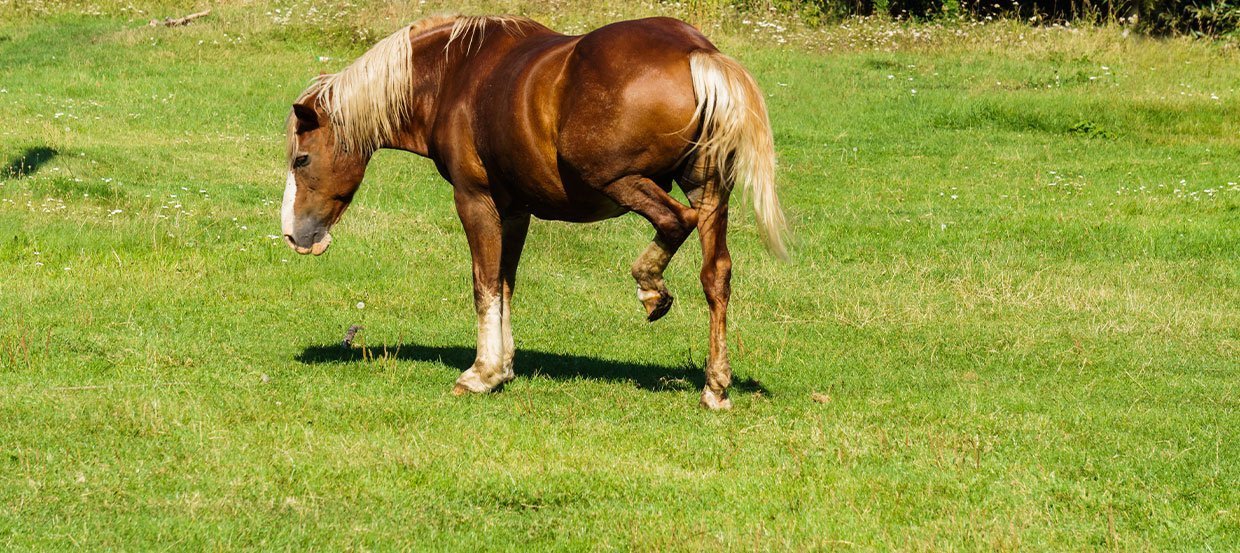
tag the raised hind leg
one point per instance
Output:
(484, 231)
(672, 220)
(716, 283)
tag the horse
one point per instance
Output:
(527, 122)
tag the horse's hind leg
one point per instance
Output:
(648, 272)
(716, 283)
(672, 220)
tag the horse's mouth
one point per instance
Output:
(317, 248)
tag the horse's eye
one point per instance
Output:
(301, 160)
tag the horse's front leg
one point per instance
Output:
(484, 231)
(515, 228)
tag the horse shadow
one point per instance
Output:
(558, 366)
(28, 162)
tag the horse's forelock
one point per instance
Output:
(290, 137)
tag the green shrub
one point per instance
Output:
(1160, 17)
(920, 9)
(1196, 17)
(1052, 10)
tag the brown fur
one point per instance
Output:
(527, 122)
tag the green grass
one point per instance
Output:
(1018, 289)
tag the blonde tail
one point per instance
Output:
(736, 138)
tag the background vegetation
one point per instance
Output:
(1159, 17)
(1011, 322)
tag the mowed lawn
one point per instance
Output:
(1011, 320)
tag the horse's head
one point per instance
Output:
(322, 178)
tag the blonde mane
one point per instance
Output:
(367, 101)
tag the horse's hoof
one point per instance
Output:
(661, 308)
(470, 382)
(715, 402)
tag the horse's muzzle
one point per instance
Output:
(317, 248)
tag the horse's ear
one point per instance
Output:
(307, 117)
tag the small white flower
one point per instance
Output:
(361, 305)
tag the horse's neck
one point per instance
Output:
(439, 56)
(432, 60)
(412, 135)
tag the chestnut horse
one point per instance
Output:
(524, 121)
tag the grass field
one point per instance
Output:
(1011, 321)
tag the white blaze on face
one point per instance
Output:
(286, 209)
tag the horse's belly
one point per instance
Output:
(559, 202)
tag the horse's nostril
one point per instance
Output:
(288, 238)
